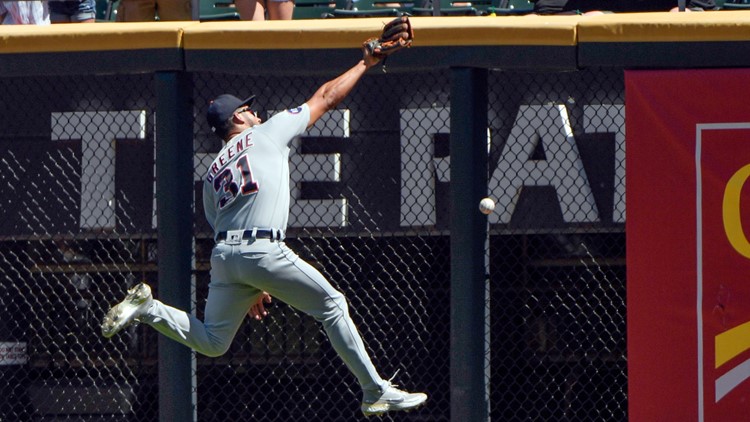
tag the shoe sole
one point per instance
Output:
(380, 409)
(118, 318)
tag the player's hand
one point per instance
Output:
(258, 310)
(369, 59)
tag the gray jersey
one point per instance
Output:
(247, 184)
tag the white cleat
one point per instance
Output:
(135, 305)
(392, 399)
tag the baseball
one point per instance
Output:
(486, 206)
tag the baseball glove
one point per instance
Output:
(397, 34)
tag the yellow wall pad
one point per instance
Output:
(731, 343)
(104, 36)
(346, 33)
(665, 26)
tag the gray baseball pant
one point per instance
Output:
(239, 272)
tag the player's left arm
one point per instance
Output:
(331, 93)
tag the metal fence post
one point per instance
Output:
(174, 202)
(468, 173)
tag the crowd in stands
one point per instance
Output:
(82, 11)
(594, 7)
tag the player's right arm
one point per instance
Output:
(258, 310)
(330, 94)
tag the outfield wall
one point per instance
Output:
(520, 315)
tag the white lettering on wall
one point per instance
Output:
(419, 167)
(562, 168)
(98, 131)
(611, 118)
(322, 168)
(544, 126)
(536, 126)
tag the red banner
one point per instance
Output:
(688, 251)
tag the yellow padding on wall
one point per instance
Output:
(104, 36)
(665, 27)
(347, 33)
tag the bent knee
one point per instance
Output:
(215, 349)
(335, 307)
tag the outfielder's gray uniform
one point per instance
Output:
(246, 188)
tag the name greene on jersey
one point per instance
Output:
(228, 153)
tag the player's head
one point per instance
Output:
(222, 110)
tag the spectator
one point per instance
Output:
(597, 7)
(256, 10)
(24, 13)
(72, 11)
(571, 7)
(148, 10)
(666, 5)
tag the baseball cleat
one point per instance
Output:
(392, 399)
(135, 305)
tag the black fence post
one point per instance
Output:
(174, 203)
(468, 173)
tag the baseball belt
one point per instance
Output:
(237, 235)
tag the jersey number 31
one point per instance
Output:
(226, 186)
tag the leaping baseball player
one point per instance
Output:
(246, 201)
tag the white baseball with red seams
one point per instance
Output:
(486, 206)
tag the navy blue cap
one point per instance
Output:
(222, 108)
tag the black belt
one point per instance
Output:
(259, 234)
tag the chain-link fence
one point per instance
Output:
(370, 209)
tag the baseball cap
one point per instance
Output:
(222, 108)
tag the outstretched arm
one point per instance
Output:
(330, 94)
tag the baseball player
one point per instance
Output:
(246, 201)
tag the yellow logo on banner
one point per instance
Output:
(731, 343)
(731, 212)
(735, 341)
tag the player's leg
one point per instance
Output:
(226, 308)
(274, 268)
(290, 279)
(280, 10)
